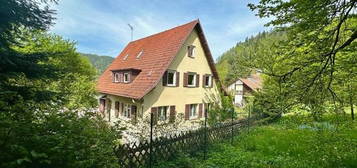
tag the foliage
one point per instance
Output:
(247, 56)
(74, 82)
(316, 65)
(293, 141)
(55, 138)
(99, 62)
(42, 80)
(221, 109)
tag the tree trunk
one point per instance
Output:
(352, 112)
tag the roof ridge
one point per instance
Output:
(197, 21)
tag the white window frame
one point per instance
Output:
(126, 80)
(116, 77)
(193, 48)
(127, 110)
(167, 78)
(194, 79)
(209, 81)
(193, 113)
(162, 110)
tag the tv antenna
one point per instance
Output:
(131, 29)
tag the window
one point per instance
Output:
(126, 57)
(191, 51)
(127, 110)
(162, 113)
(139, 55)
(116, 77)
(171, 78)
(193, 111)
(126, 77)
(208, 80)
(191, 79)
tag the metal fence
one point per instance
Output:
(150, 152)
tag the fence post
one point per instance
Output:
(232, 111)
(249, 108)
(205, 138)
(151, 127)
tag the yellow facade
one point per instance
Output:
(178, 96)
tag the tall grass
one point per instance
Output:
(294, 141)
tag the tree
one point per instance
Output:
(320, 41)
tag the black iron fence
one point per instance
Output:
(147, 153)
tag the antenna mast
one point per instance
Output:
(131, 29)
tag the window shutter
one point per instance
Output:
(117, 109)
(185, 79)
(102, 106)
(197, 80)
(109, 108)
(172, 114)
(164, 79)
(187, 112)
(122, 109)
(204, 80)
(200, 110)
(154, 112)
(133, 112)
(211, 83)
(189, 51)
(177, 79)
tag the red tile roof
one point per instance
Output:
(159, 50)
(254, 82)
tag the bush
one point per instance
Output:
(56, 138)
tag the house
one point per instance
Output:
(243, 87)
(167, 74)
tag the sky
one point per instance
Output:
(101, 26)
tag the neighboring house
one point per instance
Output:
(166, 74)
(243, 87)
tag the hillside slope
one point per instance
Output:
(99, 62)
(245, 56)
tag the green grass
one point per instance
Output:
(294, 141)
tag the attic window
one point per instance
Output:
(126, 57)
(126, 77)
(139, 55)
(191, 51)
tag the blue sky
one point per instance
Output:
(100, 26)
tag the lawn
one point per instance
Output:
(294, 141)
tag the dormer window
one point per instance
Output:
(139, 55)
(191, 51)
(116, 77)
(125, 75)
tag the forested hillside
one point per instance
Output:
(235, 62)
(99, 62)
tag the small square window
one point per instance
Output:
(193, 111)
(162, 113)
(171, 78)
(126, 77)
(191, 51)
(208, 80)
(191, 79)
